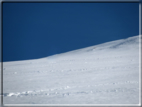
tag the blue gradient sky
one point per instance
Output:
(36, 30)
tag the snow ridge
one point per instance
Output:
(107, 73)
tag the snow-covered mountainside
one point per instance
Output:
(102, 74)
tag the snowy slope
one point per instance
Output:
(107, 73)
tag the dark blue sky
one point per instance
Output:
(36, 30)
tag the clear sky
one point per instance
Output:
(37, 30)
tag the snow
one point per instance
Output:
(107, 73)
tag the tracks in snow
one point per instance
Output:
(68, 70)
(59, 91)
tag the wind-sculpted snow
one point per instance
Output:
(103, 74)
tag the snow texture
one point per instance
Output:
(102, 74)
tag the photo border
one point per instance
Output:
(72, 1)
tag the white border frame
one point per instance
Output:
(140, 50)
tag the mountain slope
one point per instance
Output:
(102, 74)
